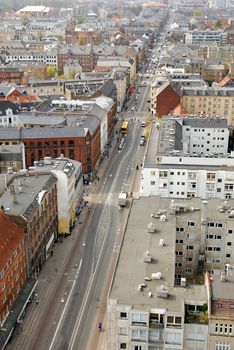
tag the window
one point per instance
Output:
(229, 232)
(152, 183)
(163, 174)
(195, 336)
(191, 223)
(189, 247)
(179, 253)
(123, 331)
(152, 172)
(123, 346)
(210, 176)
(179, 229)
(123, 314)
(222, 346)
(173, 338)
(138, 334)
(139, 318)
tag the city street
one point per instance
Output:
(70, 295)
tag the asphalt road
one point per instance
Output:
(72, 322)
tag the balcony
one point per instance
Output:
(155, 324)
(199, 315)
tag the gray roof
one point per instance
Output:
(27, 200)
(206, 122)
(49, 132)
(9, 133)
(131, 269)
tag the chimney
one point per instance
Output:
(13, 194)
(204, 213)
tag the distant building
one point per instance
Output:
(11, 75)
(196, 37)
(12, 158)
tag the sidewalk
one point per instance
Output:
(102, 343)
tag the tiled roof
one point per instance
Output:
(10, 237)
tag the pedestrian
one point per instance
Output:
(98, 178)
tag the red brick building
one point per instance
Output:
(84, 37)
(87, 59)
(12, 263)
(11, 75)
(74, 143)
(166, 100)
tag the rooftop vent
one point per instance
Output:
(156, 276)
(161, 242)
(151, 228)
(147, 256)
(162, 292)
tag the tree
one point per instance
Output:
(40, 35)
(218, 24)
(24, 21)
(51, 71)
(80, 20)
(197, 13)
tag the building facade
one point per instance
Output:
(31, 202)
(12, 265)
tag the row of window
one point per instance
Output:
(223, 328)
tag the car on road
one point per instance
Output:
(121, 144)
(142, 142)
(132, 109)
(143, 124)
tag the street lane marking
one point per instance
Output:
(64, 310)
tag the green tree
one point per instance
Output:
(197, 13)
(24, 21)
(40, 35)
(80, 20)
(218, 24)
(51, 72)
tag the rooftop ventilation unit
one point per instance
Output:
(147, 256)
(163, 218)
(162, 292)
(151, 228)
(156, 276)
(161, 242)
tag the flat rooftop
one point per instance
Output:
(131, 269)
(165, 146)
(222, 289)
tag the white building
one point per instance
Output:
(9, 119)
(170, 172)
(50, 58)
(69, 188)
(196, 37)
(153, 301)
(205, 136)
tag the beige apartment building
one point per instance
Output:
(154, 302)
(209, 101)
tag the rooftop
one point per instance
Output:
(222, 289)
(131, 270)
(28, 198)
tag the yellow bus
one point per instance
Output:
(124, 127)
